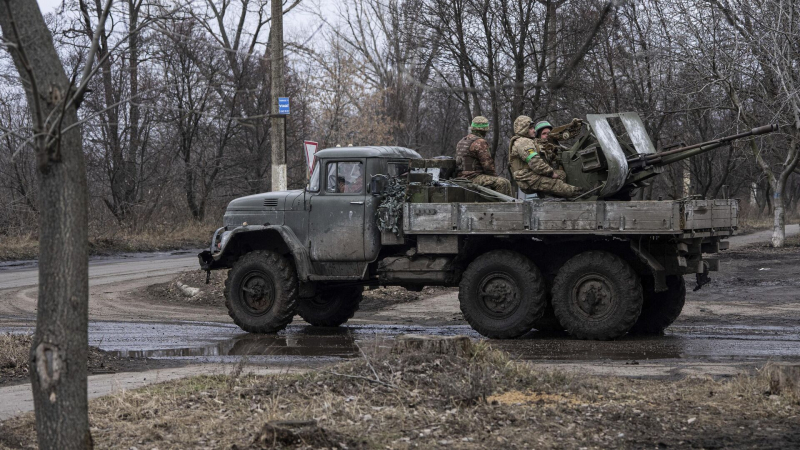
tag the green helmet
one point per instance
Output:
(480, 124)
(541, 126)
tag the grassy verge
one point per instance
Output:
(191, 235)
(15, 367)
(436, 401)
(14, 351)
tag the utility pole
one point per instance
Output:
(277, 122)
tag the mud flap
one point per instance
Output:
(659, 274)
(702, 276)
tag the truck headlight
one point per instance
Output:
(223, 240)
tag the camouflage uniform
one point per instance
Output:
(534, 162)
(474, 161)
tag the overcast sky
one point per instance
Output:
(48, 5)
(300, 21)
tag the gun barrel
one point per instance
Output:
(688, 151)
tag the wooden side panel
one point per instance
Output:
(491, 217)
(725, 213)
(646, 216)
(607, 218)
(421, 217)
(711, 214)
(698, 215)
(552, 216)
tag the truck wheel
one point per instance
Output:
(597, 295)
(502, 293)
(261, 292)
(331, 307)
(660, 309)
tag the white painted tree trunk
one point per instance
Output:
(779, 223)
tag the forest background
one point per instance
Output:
(177, 120)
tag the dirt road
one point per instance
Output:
(113, 287)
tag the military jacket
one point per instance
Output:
(531, 159)
(473, 157)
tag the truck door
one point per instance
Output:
(336, 222)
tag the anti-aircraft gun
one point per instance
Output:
(607, 167)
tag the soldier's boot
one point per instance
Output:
(559, 188)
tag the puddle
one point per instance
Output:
(340, 343)
(221, 342)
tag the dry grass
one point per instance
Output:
(428, 401)
(15, 362)
(14, 351)
(748, 224)
(117, 240)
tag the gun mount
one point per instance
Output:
(609, 167)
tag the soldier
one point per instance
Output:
(475, 163)
(545, 131)
(535, 167)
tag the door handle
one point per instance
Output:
(356, 203)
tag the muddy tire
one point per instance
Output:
(660, 309)
(597, 295)
(331, 307)
(502, 293)
(261, 292)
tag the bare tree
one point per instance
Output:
(770, 31)
(60, 346)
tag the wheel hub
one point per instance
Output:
(258, 292)
(499, 295)
(593, 296)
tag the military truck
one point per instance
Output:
(598, 267)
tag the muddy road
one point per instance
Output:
(748, 315)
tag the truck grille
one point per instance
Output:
(271, 202)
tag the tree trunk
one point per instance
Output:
(60, 345)
(134, 138)
(779, 218)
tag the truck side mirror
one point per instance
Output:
(378, 184)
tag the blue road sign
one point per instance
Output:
(283, 105)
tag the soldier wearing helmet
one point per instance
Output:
(535, 166)
(474, 161)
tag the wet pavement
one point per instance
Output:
(105, 269)
(305, 345)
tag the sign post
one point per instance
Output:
(310, 148)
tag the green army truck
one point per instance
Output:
(597, 267)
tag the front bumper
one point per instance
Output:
(206, 260)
